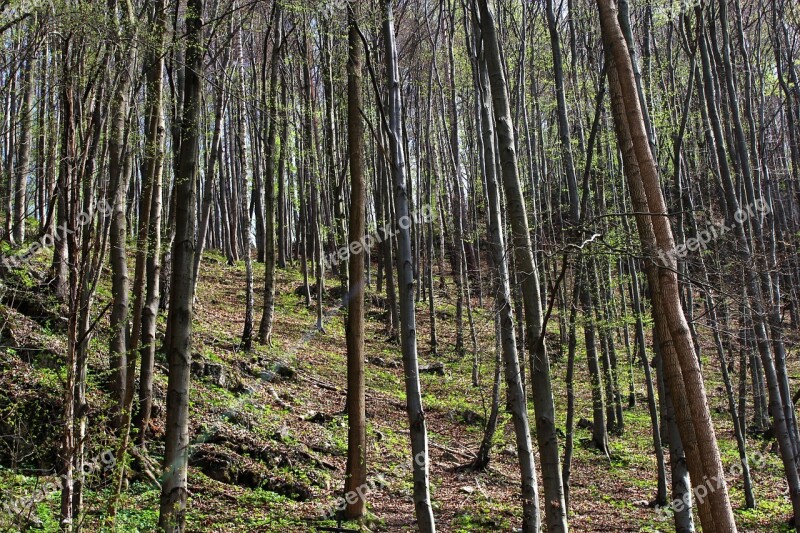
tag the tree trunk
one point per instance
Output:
(505, 317)
(671, 306)
(172, 517)
(154, 161)
(405, 274)
(526, 266)
(265, 327)
(356, 473)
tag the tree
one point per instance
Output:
(540, 383)
(356, 473)
(172, 516)
(671, 305)
(405, 275)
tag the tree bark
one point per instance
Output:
(172, 517)
(405, 281)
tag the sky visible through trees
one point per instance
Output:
(399, 265)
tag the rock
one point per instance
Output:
(281, 435)
(471, 417)
(218, 464)
(241, 460)
(197, 368)
(231, 468)
(239, 418)
(383, 363)
(467, 489)
(433, 368)
(247, 390)
(584, 423)
(215, 372)
(279, 372)
(318, 417)
(285, 371)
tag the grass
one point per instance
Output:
(604, 496)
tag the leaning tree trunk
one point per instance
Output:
(506, 331)
(672, 374)
(405, 281)
(671, 305)
(540, 383)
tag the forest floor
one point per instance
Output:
(271, 434)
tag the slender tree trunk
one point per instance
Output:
(119, 321)
(172, 517)
(154, 161)
(356, 473)
(525, 264)
(24, 156)
(265, 327)
(516, 393)
(408, 330)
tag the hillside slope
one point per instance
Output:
(271, 436)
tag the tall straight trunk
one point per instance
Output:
(356, 473)
(561, 112)
(405, 281)
(599, 422)
(154, 162)
(265, 327)
(119, 321)
(457, 200)
(569, 379)
(245, 217)
(503, 308)
(172, 517)
(652, 407)
(429, 157)
(312, 170)
(9, 140)
(540, 383)
(388, 244)
(66, 278)
(24, 156)
(616, 398)
(213, 158)
(671, 305)
(284, 226)
(339, 233)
